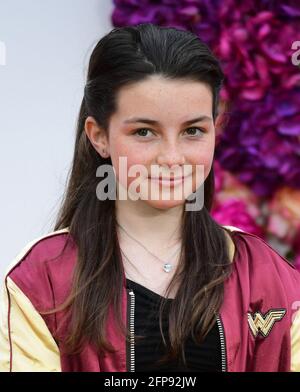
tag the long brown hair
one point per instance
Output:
(128, 55)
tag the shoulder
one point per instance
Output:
(262, 259)
(27, 342)
(244, 240)
(231, 243)
(35, 253)
(43, 264)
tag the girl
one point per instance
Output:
(149, 282)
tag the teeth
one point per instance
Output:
(167, 179)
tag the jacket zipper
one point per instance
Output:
(223, 343)
(130, 345)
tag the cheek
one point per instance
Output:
(202, 156)
(130, 156)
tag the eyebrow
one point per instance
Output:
(154, 122)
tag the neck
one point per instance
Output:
(155, 228)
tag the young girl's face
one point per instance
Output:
(167, 142)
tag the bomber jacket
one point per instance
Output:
(259, 320)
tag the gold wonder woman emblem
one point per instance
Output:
(264, 323)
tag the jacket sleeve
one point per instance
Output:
(26, 344)
(295, 342)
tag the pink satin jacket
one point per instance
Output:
(259, 321)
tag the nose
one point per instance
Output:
(170, 155)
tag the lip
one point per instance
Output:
(169, 181)
(167, 178)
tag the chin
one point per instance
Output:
(164, 204)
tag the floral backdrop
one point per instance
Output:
(257, 162)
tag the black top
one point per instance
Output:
(204, 357)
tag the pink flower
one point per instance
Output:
(284, 215)
(234, 203)
(235, 212)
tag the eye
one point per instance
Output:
(142, 130)
(196, 128)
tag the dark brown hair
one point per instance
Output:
(123, 56)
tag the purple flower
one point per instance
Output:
(261, 142)
(165, 13)
(255, 49)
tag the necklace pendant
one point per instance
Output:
(167, 267)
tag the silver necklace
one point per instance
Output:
(167, 267)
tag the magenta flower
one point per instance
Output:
(234, 203)
(235, 212)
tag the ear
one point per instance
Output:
(97, 136)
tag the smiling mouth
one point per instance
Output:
(169, 179)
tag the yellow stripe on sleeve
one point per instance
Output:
(26, 344)
(295, 343)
